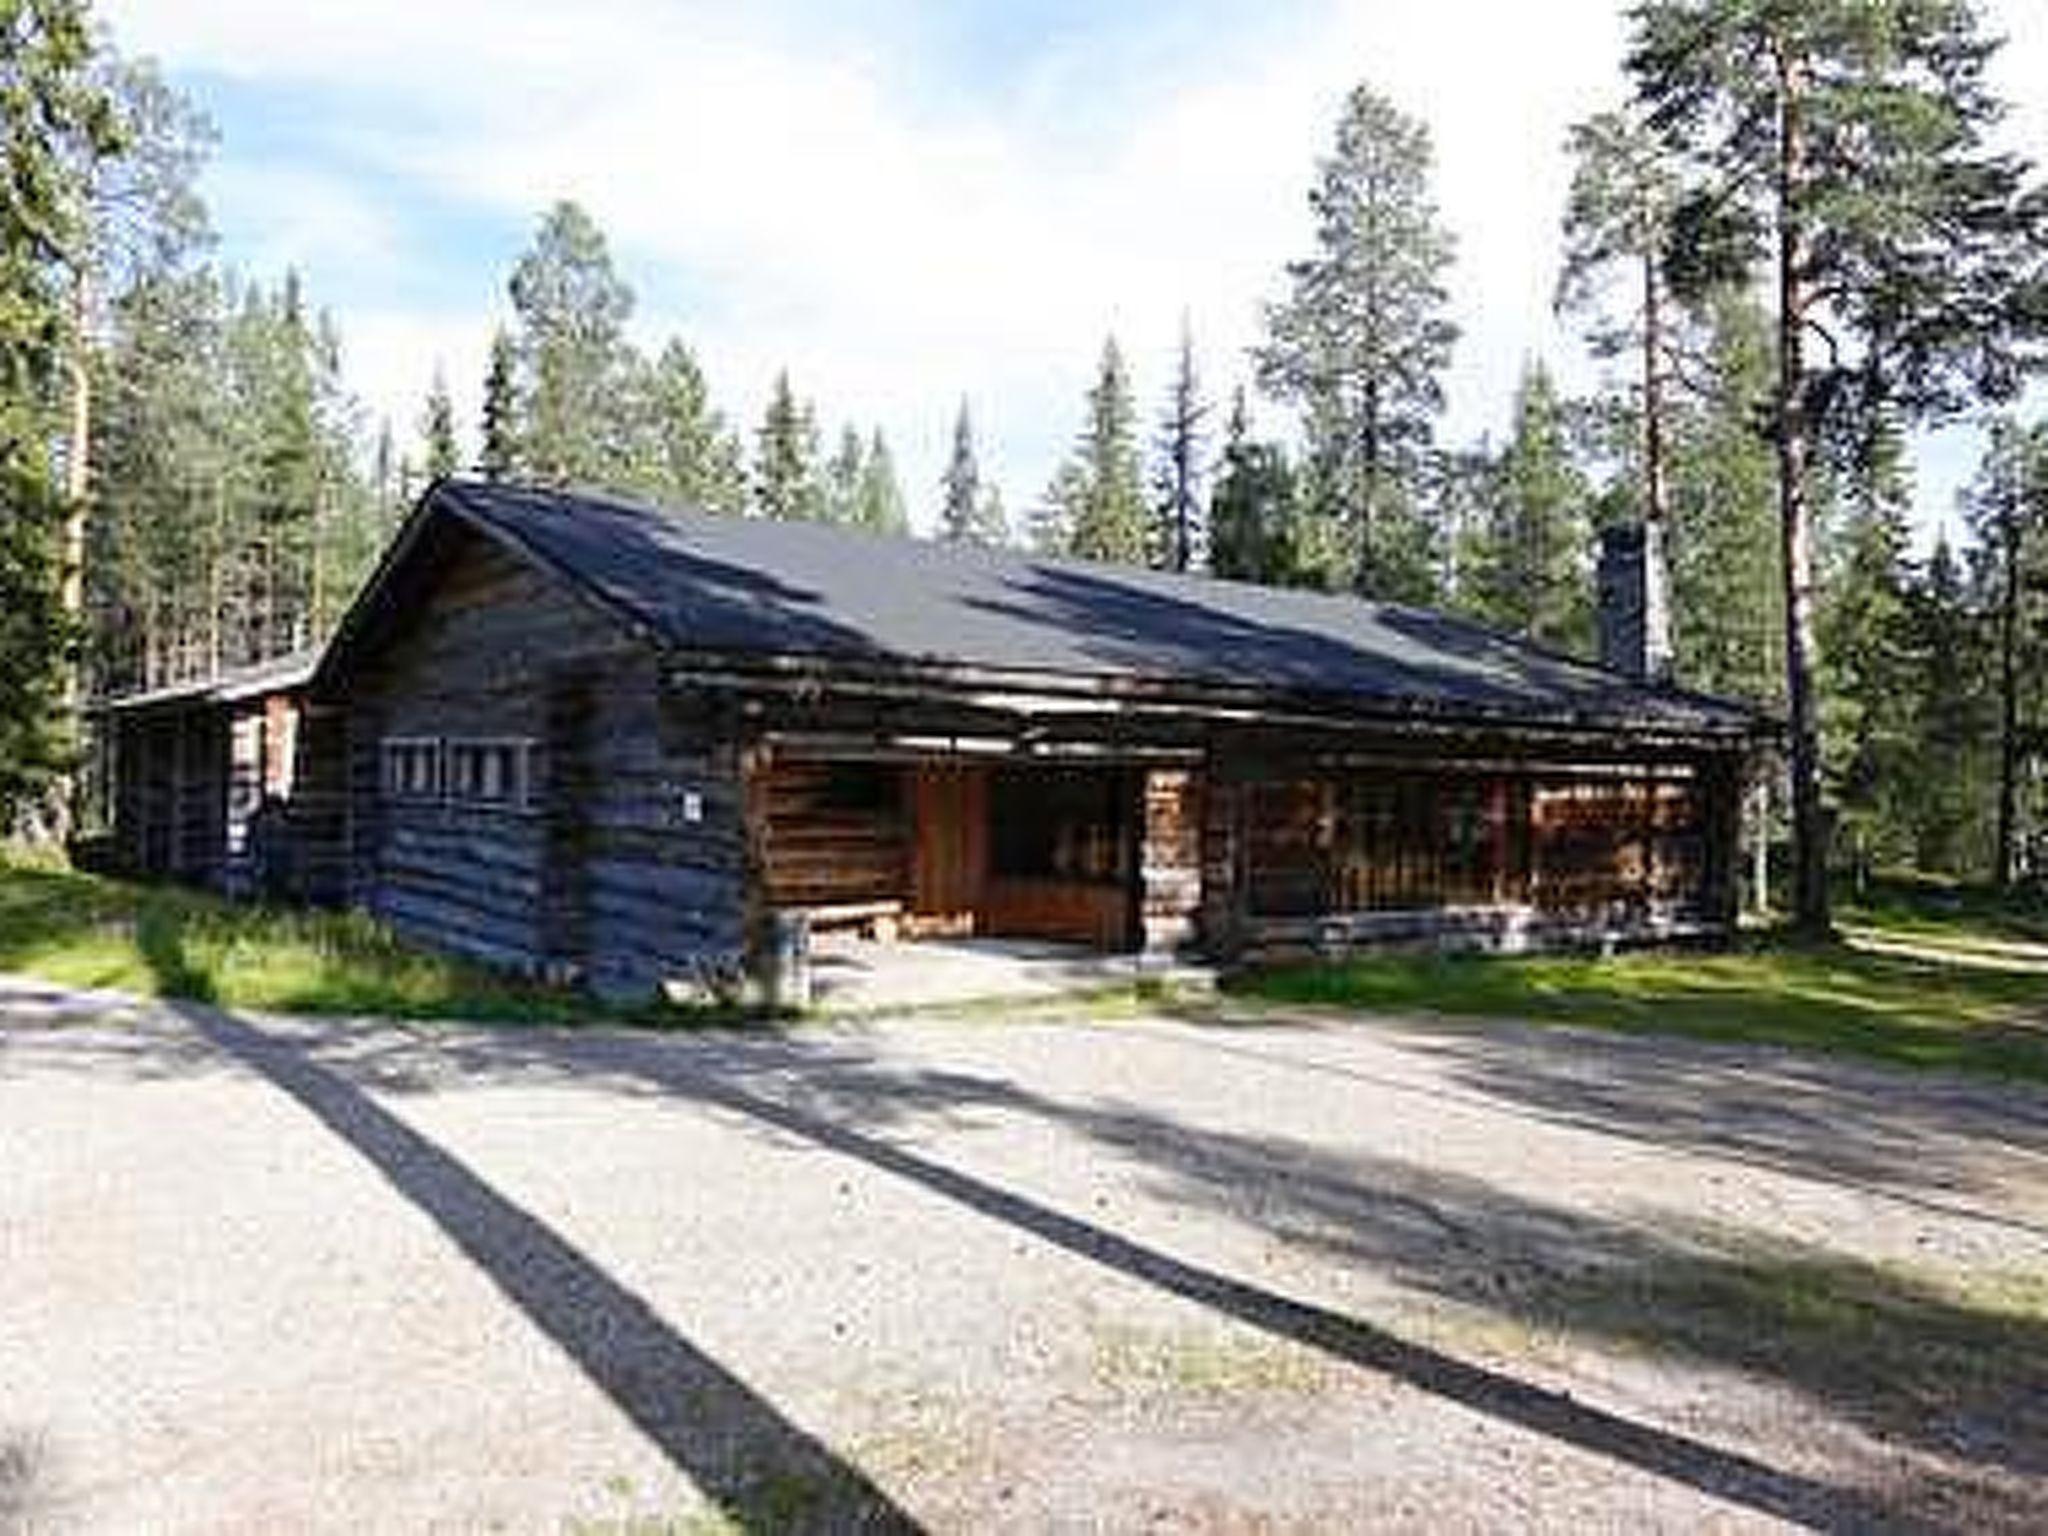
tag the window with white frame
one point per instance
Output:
(490, 771)
(412, 767)
(461, 770)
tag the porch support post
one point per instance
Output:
(1170, 860)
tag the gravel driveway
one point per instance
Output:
(1252, 1274)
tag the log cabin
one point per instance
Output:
(606, 742)
(198, 782)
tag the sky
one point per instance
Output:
(904, 205)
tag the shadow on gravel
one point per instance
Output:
(1435, 1232)
(1909, 1137)
(1955, 1390)
(22, 1458)
(764, 1472)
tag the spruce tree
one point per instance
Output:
(1954, 696)
(437, 430)
(962, 506)
(787, 481)
(2008, 505)
(1535, 575)
(679, 450)
(1049, 526)
(1176, 502)
(1867, 713)
(1360, 344)
(1842, 141)
(878, 504)
(1109, 521)
(1253, 505)
(501, 459)
(1727, 593)
(842, 478)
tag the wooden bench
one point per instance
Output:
(877, 919)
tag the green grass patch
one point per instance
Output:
(1967, 917)
(163, 941)
(1906, 1011)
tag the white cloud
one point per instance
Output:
(786, 192)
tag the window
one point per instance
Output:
(412, 768)
(1385, 840)
(485, 771)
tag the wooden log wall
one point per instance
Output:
(317, 810)
(170, 793)
(603, 873)
(1299, 855)
(838, 833)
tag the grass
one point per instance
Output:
(162, 941)
(1951, 1005)
(1971, 998)
(1205, 1363)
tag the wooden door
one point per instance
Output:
(950, 864)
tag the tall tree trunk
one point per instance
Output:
(1656, 477)
(1368, 578)
(78, 458)
(2009, 701)
(215, 578)
(1810, 912)
(60, 809)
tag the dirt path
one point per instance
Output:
(1164, 1274)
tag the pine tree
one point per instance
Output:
(437, 430)
(1361, 343)
(138, 217)
(1623, 193)
(573, 308)
(962, 507)
(1177, 506)
(1109, 522)
(1842, 140)
(500, 459)
(878, 504)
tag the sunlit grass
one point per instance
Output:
(162, 941)
(1919, 1011)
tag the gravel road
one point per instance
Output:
(1171, 1273)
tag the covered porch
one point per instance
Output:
(1101, 855)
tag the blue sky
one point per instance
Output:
(903, 204)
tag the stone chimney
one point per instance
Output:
(1635, 602)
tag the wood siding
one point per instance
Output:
(839, 833)
(600, 873)
(1307, 857)
(169, 800)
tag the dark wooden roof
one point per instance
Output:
(746, 587)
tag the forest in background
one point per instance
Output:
(1787, 243)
